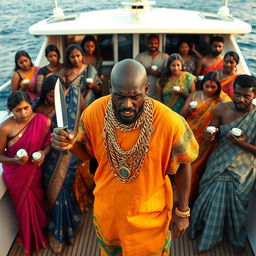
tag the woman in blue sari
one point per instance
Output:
(76, 74)
(59, 170)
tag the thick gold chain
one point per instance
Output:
(132, 159)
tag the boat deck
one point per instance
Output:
(86, 245)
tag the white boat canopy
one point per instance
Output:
(134, 20)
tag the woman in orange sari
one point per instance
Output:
(25, 75)
(228, 73)
(199, 118)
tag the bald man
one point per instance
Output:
(137, 142)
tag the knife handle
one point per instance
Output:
(65, 152)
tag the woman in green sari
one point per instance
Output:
(175, 85)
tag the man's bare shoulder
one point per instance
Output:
(203, 59)
(224, 107)
(208, 58)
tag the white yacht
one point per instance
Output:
(121, 34)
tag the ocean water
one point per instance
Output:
(16, 16)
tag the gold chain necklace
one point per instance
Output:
(126, 164)
(20, 130)
(23, 74)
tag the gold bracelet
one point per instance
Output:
(182, 214)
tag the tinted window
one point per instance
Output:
(106, 46)
(172, 41)
(124, 46)
(143, 41)
(171, 44)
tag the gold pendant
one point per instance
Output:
(124, 172)
(20, 135)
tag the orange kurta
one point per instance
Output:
(83, 186)
(133, 218)
(198, 121)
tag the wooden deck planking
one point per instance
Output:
(86, 245)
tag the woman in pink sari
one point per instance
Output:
(22, 174)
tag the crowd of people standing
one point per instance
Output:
(146, 132)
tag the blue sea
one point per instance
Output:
(16, 16)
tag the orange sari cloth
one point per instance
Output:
(214, 67)
(133, 218)
(198, 121)
(32, 76)
(83, 186)
(227, 85)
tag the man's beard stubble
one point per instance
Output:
(244, 108)
(216, 53)
(127, 121)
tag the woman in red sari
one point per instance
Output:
(229, 73)
(22, 175)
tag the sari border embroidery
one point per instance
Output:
(62, 166)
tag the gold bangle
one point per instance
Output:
(182, 214)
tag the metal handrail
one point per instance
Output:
(5, 85)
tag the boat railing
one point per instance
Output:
(41, 53)
(5, 85)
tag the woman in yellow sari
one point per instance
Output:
(199, 118)
(228, 73)
(175, 85)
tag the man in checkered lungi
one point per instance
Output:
(221, 207)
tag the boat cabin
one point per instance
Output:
(122, 33)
